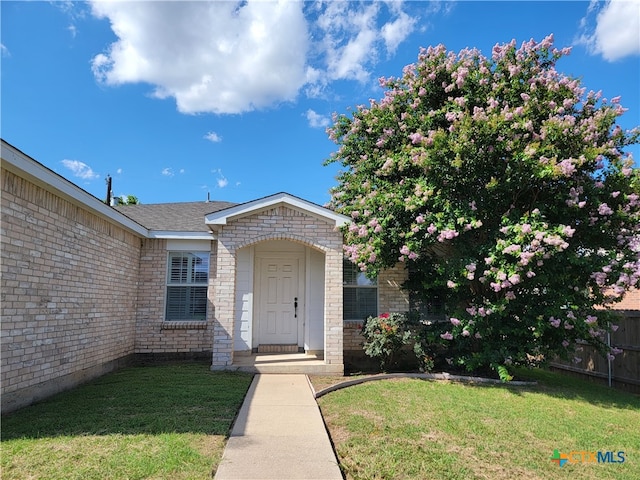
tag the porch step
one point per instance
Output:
(279, 363)
(278, 348)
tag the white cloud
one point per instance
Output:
(316, 120)
(395, 32)
(353, 39)
(119, 171)
(213, 137)
(233, 57)
(4, 51)
(80, 169)
(220, 57)
(167, 172)
(221, 181)
(616, 33)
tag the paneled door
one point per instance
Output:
(278, 304)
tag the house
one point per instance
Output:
(87, 287)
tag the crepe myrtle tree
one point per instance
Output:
(505, 189)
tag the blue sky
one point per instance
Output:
(177, 100)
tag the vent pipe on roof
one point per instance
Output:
(108, 180)
(208, 199)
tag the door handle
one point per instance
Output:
(295, 307)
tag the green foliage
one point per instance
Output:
(129, 200)
(505, 190)
(385, 338)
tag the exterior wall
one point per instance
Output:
(631, 301)
(391, 297)
(153, 334)
(315, 302)
(276, 223)
(68, 292)
(244, 301)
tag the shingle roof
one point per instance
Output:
(174, 217)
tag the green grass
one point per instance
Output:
(407, 429)
(155, 422)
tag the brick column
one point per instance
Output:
(225, 288)
(333, 334)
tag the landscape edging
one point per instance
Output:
(425, 376)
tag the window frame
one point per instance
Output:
(193, 280)
(368, 284)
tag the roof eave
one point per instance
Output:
(222, 217)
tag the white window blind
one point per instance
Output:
(360, 293)
(187, 278)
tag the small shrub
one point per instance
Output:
(386, 337)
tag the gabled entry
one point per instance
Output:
(279, 279)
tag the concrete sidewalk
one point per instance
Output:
(279, 434)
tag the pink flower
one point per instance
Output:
(416, 138)
(604, 209)
(454, 321)
(465, 333)
(446, 336)
(568, 231)
(513, 248)
(477, 335)
(554, 322)
(514, 279)
(384, 315)
(591, 319)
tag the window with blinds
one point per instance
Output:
(187, 278)
(360, 294)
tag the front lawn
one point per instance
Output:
(142, 422)
(407, 429)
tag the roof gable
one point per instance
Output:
(222, 217)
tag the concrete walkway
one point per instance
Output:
(279, 434)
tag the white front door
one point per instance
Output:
(278, 309)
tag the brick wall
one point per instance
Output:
(277, 223)
(391, 298)
(68, 292)
(631, 301)
(153, 334)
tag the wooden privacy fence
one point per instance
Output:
(624, 371)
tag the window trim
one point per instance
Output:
(188, 283)
(349, 264)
